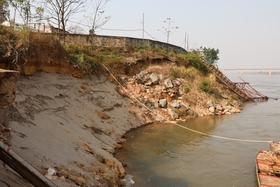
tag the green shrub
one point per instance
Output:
(205, 85)
(195, 61)
(186, 89)
(85, 57)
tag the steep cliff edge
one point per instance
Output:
(46, 54)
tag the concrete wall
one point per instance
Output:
(117, 41)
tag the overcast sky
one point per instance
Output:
(247, 32)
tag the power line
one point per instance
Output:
(150, 35)
(121, 30)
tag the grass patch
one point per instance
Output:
(195, 61)
(89, 58)
(141, 48)
(183, 72)
(205, 85)
(179, 72)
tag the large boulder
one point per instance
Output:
(168, 83)
(154, 78)
(175, 105)
(142, 77)
(162, 103)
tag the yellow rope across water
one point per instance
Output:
(198, 132)
(222, 137)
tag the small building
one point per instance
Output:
(6, 24)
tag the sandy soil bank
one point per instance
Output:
(72, 125)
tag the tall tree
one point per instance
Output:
(3, 10)
(210, 54)
(39, 15)
(97, 20)
(23, 8)
(59, 12)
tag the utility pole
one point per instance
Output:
(169, 29)
(185, 46)
(186, 41)
(143, 24)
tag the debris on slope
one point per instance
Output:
(163, 98)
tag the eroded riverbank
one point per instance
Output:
(73, 126)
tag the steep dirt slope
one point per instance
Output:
(72, 125)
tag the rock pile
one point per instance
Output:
(164, 96)
(223, 108)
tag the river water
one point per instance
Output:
(166, 155)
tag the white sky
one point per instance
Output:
(247, 32)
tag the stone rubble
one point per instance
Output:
(164, 96)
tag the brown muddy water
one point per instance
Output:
(166, 155)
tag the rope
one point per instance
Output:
(198, 132)
(274, 98)
(222, 137)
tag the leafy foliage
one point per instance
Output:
(23, 7)
(194, 59)
(83, 56)
(210, 54)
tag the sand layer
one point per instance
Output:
(72, 125)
